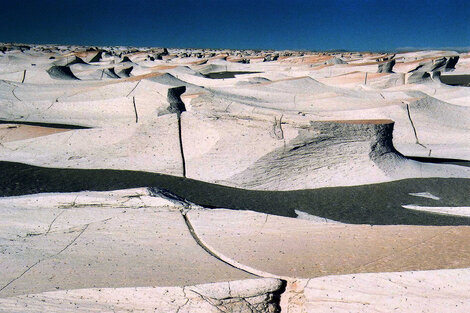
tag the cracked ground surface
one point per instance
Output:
(88, 251)
(98, 245)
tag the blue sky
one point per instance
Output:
(361, 25)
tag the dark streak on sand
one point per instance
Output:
(50, 125)
(223, 75)
(440, 160)
(366, 204)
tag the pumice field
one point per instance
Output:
(198, 180)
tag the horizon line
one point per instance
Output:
(338, 50)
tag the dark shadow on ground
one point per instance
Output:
(440, 160)
(223, 75)
(50, 125)
(366, 204)
(456, 80)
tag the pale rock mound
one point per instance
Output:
(430, 69)
(337, 154)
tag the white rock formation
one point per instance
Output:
(264, 121)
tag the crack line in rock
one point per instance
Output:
(180, 307)
(187, 300)
(413, 125)
(203, 246)
(50, 225)
(133, 88)
(70, 243)
(49, 257)
(278, 132)
(135, 110)
(18, 277)
(183, 161)
(250, 306)
(13, 92)
(206, 299)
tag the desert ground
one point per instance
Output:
(199, 180)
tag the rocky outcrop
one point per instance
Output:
(61, 73)
(431, 69)
(97, 57)
(110, 73)
(76, 60)
(333, 145)
(386, 65)
(161, 54)
(335, 60)
(174, 99)
(304, 151)
(451, 62)
(255, 295)
(125, 72)
(241, 296)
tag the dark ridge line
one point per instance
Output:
(413, 125)
(49, 125)
(13, 92)
(433, 160)
(180, 137)
(375, 204)
(24, 76)
(135, 110)
(21, 275)
(133, 88)
(226, 74)
(205, 248)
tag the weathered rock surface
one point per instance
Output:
(282, 247)
(431, 69)
(332, 138)
(92, 240)
(244, 296)
(386, 67)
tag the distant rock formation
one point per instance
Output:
(97, 57)
(431, 69)
(335, 60)
(61, 73)
(125, 59)
(386, 67)
(452, 62)
(110, 73)
(160, 55)
(125, 72)
(76, 60)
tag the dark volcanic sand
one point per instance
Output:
(456, 80)
(366, 204)
(223, 75)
